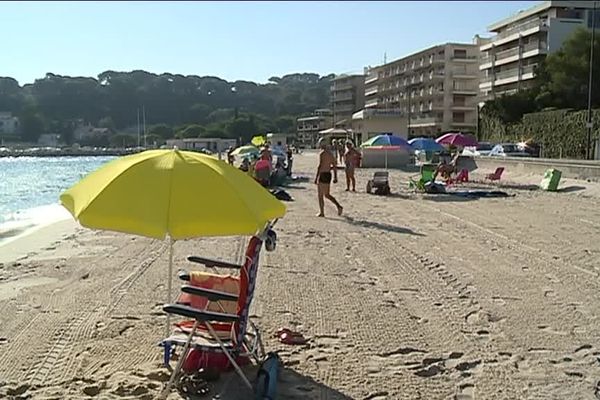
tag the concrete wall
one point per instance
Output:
(575, 169)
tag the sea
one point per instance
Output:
(30, 188)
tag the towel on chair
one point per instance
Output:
(223, 283)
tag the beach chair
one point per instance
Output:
(379, 184)
(217, 340)
(426, 177)
(496, 175)
(461, 177)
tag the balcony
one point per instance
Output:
(371, 91)
(520, 28)
(371, 79)
(421, 122)
(464, 59)
(371, 103)
(343, 97)
(463, 106)
(464, 89)
(341, 86)
(463, 73)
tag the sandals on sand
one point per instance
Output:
(287, 336)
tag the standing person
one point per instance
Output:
(333, 149)
(290, 155)
(351, 160)
(230, 155)
(327, 163)
(340, 150)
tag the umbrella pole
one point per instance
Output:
(386, 158)
(169, 284)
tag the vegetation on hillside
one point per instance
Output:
(175, 105)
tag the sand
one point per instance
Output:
(404, 297)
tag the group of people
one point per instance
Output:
(327, 170)
(261, 166)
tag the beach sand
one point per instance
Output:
(404, 297)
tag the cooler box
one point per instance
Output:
(551, 180)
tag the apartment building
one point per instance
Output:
(347, 97)
(436, 89)
(521, 42)
(307, 128)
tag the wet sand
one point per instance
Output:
(403, 297)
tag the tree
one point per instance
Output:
(163, 131)
(32, 125)
(563, 76)
(107, 122)
(190, 131)
(122, 140)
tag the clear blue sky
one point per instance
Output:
(232, 40)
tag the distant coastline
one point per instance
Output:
(66, 152)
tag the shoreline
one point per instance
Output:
(35, 239)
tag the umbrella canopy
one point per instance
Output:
(245, 150)
(457, 139)
(258, 140)
(170, 192)
(426, 144)
(386, 140)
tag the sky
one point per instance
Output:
(232, 40)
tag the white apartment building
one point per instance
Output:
(308, 128)
(347, 97)
(435, 89)
(521, 41)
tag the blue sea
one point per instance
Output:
(30, 188)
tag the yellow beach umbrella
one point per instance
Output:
(258, 140)
(179, 194)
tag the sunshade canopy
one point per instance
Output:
(170, 192)
(457, 139)
(427, 144)
(386, 140)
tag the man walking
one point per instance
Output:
(327, 163)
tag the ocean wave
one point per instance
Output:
(21, 221)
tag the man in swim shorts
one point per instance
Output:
(327, 164)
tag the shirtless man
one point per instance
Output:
(327, 163)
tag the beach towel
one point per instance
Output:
(222, 283)
(482, 193)
(282, 195)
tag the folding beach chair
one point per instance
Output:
(426, 177)
(212, 339)
(461, 177)
(496, 175)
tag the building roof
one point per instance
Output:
(546, 5)
(426, 50)
(346, 76)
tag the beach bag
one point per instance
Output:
(266, 378)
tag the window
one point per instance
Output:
(460, 53)
(458, 117)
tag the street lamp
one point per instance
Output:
(590, 124)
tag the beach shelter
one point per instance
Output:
(387, 141)
(171, 194)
